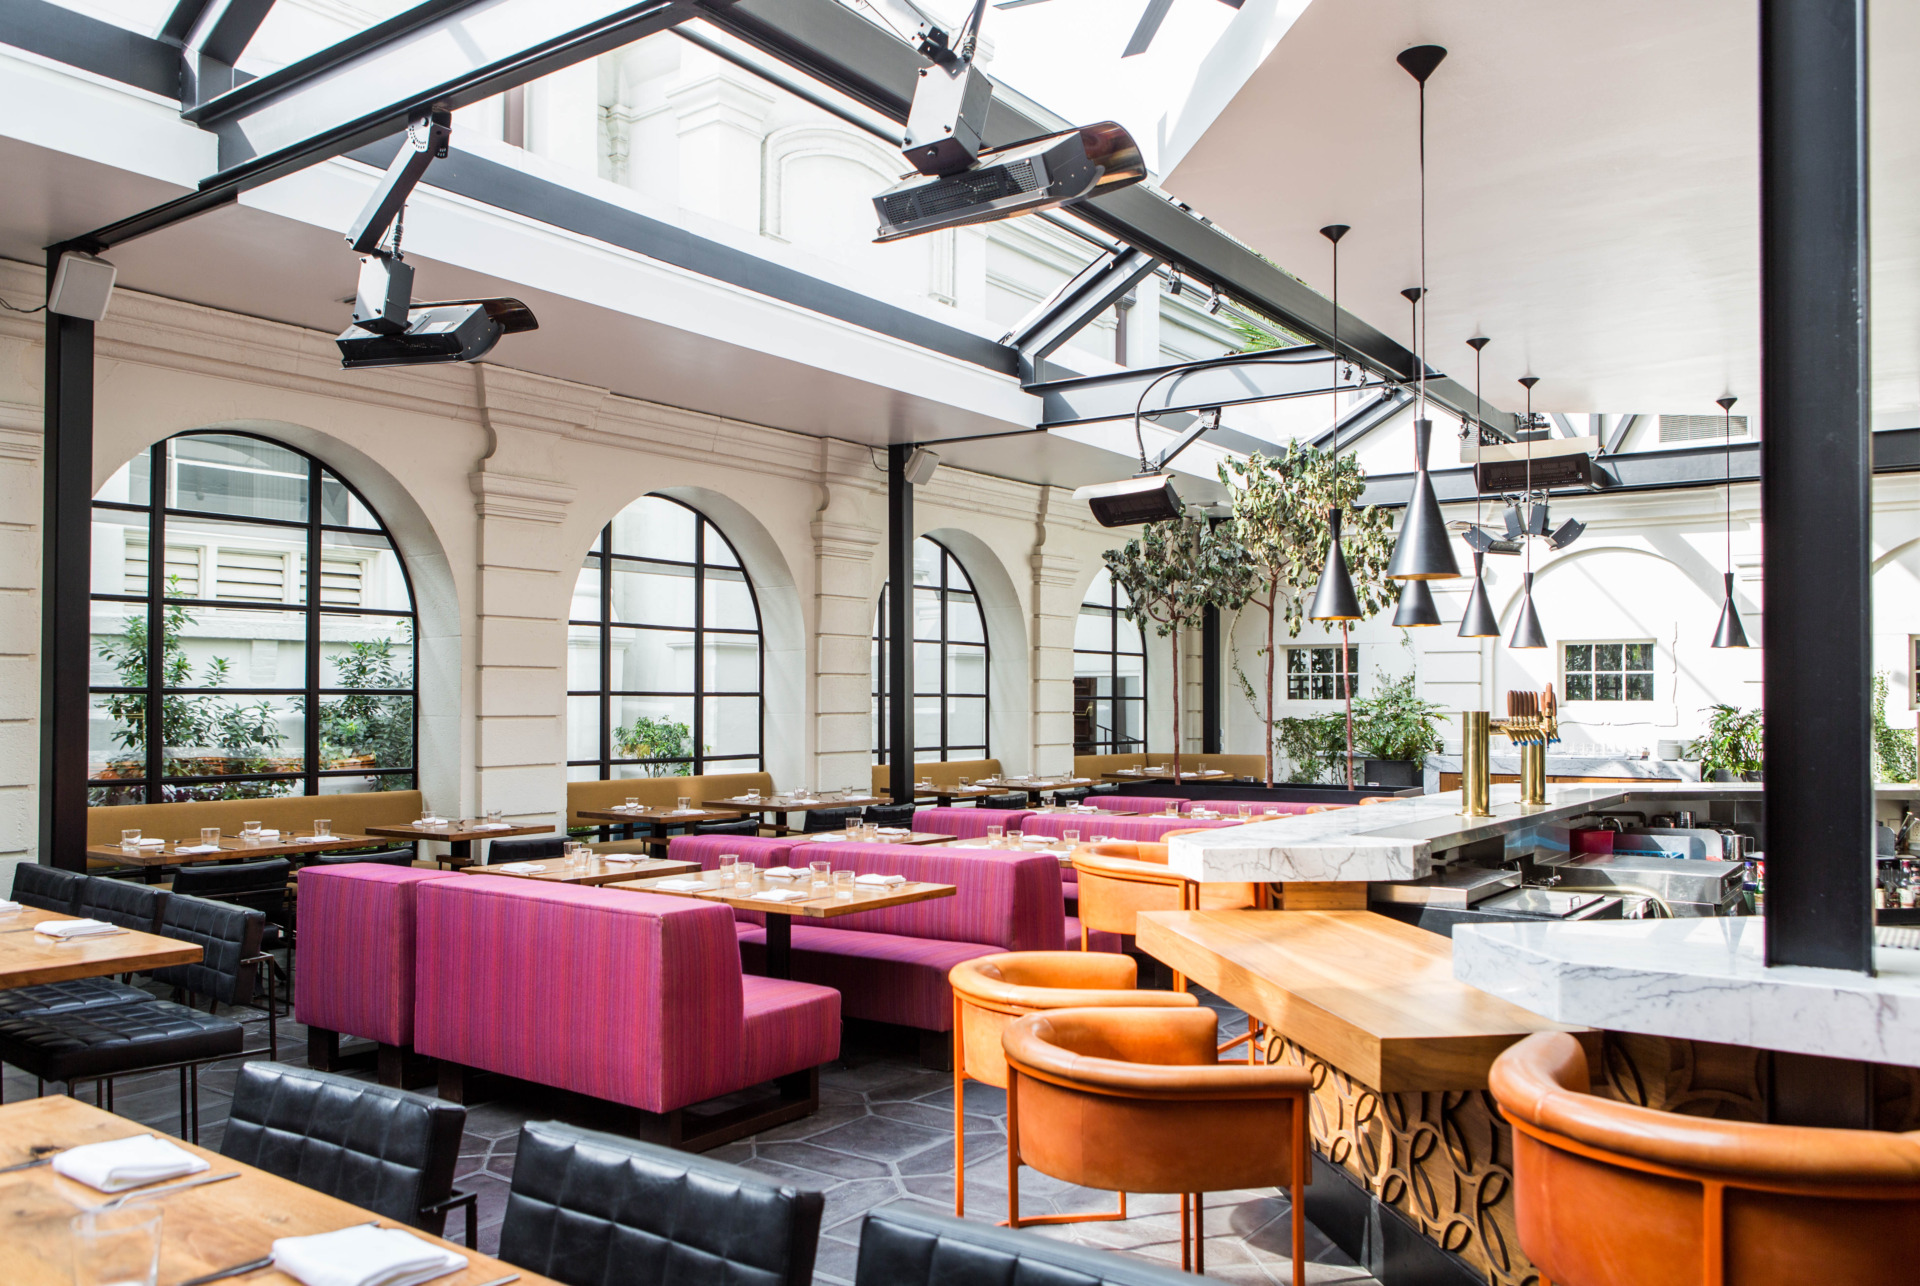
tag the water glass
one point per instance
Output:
(323, 828)
(1070, 837)
(495, 816)
(1100, 839)
(1015, 838)
(820, 872)
(752, 795)
(843, 884)
(117, 1246)
(1203, 765)
(210, 837)
(1245, 809)
(727, 862)
(965, 782)
(743, 878)
(250, 830)
(995, 832)
(131, 839)
(683, 804)
(633, 801)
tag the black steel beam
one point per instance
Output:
(1070, 309)
(829, 42)
(57, 32)
(1190, 386)
(211, 44)
(1815, 485)
(1364, 419)
(65, 580)
(897, 682)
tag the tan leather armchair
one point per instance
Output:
(1135, 1100)
(1121, 878)
(1608, 1193)
(991, 991)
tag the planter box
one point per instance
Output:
(1394, 774)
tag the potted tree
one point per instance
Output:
(1172, 572)
(1398, 729)
(1731, 748)
(1280, 506)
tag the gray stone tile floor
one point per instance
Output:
(883, 1135)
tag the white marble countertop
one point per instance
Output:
(1506, 759)
(1700, 979)
(1399, 839)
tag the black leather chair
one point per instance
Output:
(1012, 799)
(891, 814)
(1071, 795)
(121, 902)
(385, 1150)
(746, 826)
(46, 887)
(1104, 788)
(901, 1247)
(592, 1209)
(400, 857)
(530, 848)
(816, 820)
(259, 885)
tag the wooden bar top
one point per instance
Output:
(1370, 995)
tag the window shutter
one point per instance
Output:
(182, 571)
(1698, 428)
(250, 575)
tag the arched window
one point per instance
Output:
(213, 537)
(949, 661)
(663, 651)
(1109, 674)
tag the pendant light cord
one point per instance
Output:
(1421, 339)
(1727, 410)
(1478, 497)
(1336, 373)
(1526, 533)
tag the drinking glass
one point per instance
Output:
(323, 828)
(995, 832)
(495, 816)
(427, 816)
(633, 801)
(210, 836)
(683, 803)
(1015, 838)
(1100, 839)
(1245, 809)
(743, 878)
(1203, 765)
(843, 884)
(1070, 837)
(250, 830)
(725, 870)
(753, 795)
(820, 871)
(131, 839)
(117, 1246)
(965, 782)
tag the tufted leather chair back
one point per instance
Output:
(829, 819)
(900, 1247)
(384, 1150)
(226, 934)
(530, 848)
(46, 887)
(129, 905)
(261, 885)
(592, 1209)
(889, 814)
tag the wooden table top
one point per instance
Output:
(232, 847)
(458, 830)
(865, 898)
(656, 816)
(913, 837)
(1162, 774)
(767, 804)
(953, 792)
(27, 957)
(600, 870)
(1057, 847)
(998, 786)
(202, 1230)
(1371, 995)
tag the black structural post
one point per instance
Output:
(66, 465)
(899, 657)
(1815, 473)
(1210, 681)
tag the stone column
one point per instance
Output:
(20, 435)
(722, 119)
(1056, 610)
(846, 543)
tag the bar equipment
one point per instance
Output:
(1532, 724)
(1476, 765)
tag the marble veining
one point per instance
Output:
(1507, 760)
(1696, 979)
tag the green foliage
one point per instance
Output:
(1314, 747)
(1396, 722)
(1733, 741)
(1894, 751)
(375, 724)
(646, 738)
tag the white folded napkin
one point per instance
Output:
(438, 821)
(149, 842)
(681, 886)
(881, 880)
(894, 830)
(784, 872)
(492, 826)
(363, 1256)
(199, 848)
(8, 907)
(119, 1164)
(826, 837)
(75, 928)
(516, 866)
(311, 839)
(616, 857)
(782, 895)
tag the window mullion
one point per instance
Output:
(699, 642)
(606, 651)
(156, 617)
(311, 732)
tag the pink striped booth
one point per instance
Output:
(1118, 826)
(763, 851)
(968, 823)
(629, 997)
(891, 965)
(1134, 803)
(354, 959)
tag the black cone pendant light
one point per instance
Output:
(1526, 627)
(1731, 632)
(1334, 599)
(1416, 607)
(1479, 621)
(1424, 550)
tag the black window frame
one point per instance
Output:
(1310, 676)
(944, 591)
(1112, 743)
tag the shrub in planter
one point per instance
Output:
(1730, 750)
(1397, 726)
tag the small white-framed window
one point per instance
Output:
(1607, 671)
(1313, 673)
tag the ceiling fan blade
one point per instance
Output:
(1149, 27)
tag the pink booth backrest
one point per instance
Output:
(354, 955)
(1133, 803)
(968, 823)
(630, 997)
(1117, 826)
(762, 851)
(1007, 900)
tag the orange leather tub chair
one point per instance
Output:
(1121, 878)
(1136, 1100)
(1609, 1194)
(991, 991)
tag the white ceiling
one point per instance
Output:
(1592, 199)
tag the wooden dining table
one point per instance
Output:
(458, 835)
(233, 848)
(595, 870)
(28, 958)
(780, 914)
(841, 837)
(659, 821)
(787, 807)
(1035, 789)
(203, 1229)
